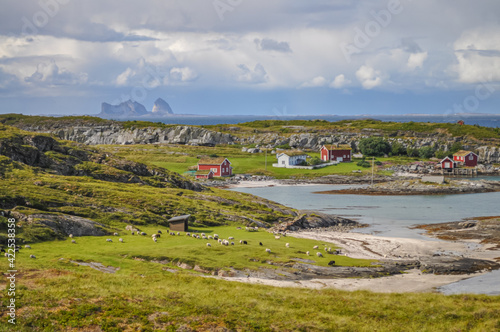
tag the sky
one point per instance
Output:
(251, 57)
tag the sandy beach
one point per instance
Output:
(366, 246)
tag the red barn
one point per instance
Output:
(466, 158)
(342, 153)
(204, 174)
(448, 164)
(219, 166)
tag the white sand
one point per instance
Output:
(367, 246)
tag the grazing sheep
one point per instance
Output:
(209, 245)
(73, 241)
(202, 234)
(204, 237)
(241, 241)
(307, 253)
(245, 242)
(238, 227)
(216, 236)
(158, 235)
(138, 233)
(159, 232)
(315, 247)
(210, 237)
(143, 234)
(329, 249)
(115, 234)
(277, 237)
(219, 240)
(109, 240)
(230, 238)
(188, 234)
(71, 235)
(178, 233)
(133, 233)
(154, 235)
(326, 249)
(120, 239)
(331, 263)
(27, 247)
(232, 243)
(319, 254)
(32, 256)
(154, 239)
(6, 254)
(260, 244)
(268, 251)
(287, 245)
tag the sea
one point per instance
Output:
(470, 119)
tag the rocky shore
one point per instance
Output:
(419, 187)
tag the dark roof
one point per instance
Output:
(180, 218)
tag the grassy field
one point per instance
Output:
(54, 294)
(180, 158)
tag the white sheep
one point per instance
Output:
(329, 249)
(202, 234)
(210, 237)
(154, 239)
(209, 245)
(268, 250)
(120, 239)
(32, 256)
(188, 234)
(178, 233)
(27, 247)
(315, 247)
(216, 236)
(109, 240)
(230, 238)
(73, 241)
(115, 234)
(277, 237)
(307, 253)
(71, 235)
(287, 245)
(319, 254)
(241, 241)
(154, 235)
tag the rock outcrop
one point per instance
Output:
(161, 107)
(125, 109)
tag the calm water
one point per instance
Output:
(393, 215)
(486, 121)
(386, 215)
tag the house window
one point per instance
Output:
(282, 162)
(471, 157)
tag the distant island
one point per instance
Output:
(132, 108)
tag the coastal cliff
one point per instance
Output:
(93, 131)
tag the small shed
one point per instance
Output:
(179, 224)
(204, 174)
(448, 164)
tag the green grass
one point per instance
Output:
(54, 294)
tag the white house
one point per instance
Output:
(290, 158)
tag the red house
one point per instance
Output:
(448, 164)
(204, 174)
(341, 153)
(219, 166)
(466, 158)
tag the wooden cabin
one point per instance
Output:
(180, 223)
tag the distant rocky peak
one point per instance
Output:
(162, 107)
(127, 108)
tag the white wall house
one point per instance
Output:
(290, 158)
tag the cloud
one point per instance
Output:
(267, 44)
(368, 77)
(318, 81)
(416, 60)
(409, 45)
(258, 75)
(49, 73)
(339, 82)
(142, 74)
(184, 74)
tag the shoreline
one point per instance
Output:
(398, 251)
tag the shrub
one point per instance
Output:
(374, 146)
(397, 149)
(426, 152)
(315, 161)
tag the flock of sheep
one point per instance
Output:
(215, 237)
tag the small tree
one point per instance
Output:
(426, 152)
(397, 149)
(374, 146)
(412, 152)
